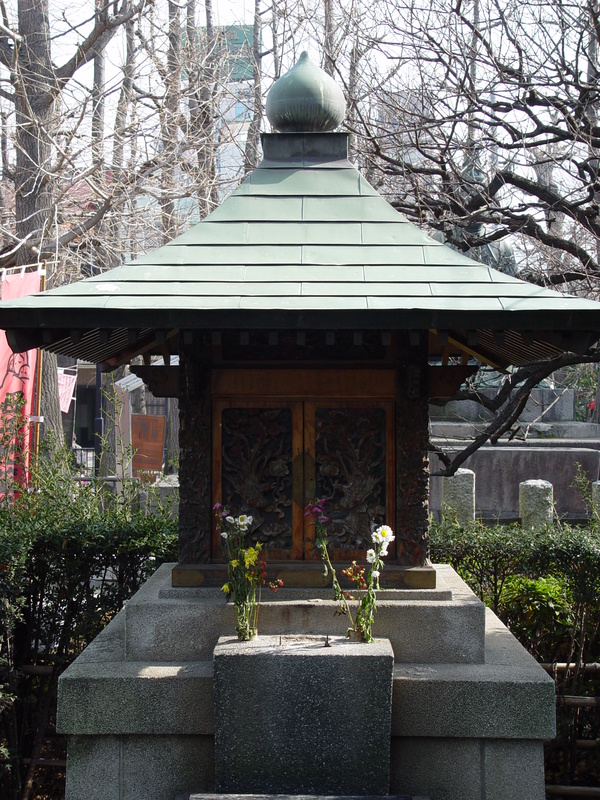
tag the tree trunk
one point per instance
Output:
(202, 122)
(50, 402)
(34, 112)
(328, 54)
(251, 151)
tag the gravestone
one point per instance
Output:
(536, 503)
(458, 496)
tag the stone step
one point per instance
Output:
(162, 627)
(100, 694)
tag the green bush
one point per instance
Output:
(71, 553)
(483, 556)
(572, 553)
(544, 584)
(539, 612)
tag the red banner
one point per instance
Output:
(17, 371)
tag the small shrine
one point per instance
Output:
(313, 323)
(307, 315)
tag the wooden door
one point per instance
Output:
(350, 444)
(272, 455)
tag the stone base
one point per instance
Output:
(469, 769)
(286, 705)
(468, 717)
(305, 574)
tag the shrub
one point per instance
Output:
(545, 584)
(71, 553)
(483, 556)
(539, 613)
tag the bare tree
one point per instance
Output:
(74, 208)
(37, 88)
(511, 88)
(43, 130)
(478, 120)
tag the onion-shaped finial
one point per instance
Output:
(305, 99)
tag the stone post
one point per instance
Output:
(302, 715)
(536, 503)
(596, 496)
(458, 496)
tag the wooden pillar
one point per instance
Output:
(412, 460)
(195, 459)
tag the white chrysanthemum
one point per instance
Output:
(224, 534)
(383, 535)
(375, 573)
(244, 520)
(230, 520)
(371, 556)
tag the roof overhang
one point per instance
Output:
(305, 243)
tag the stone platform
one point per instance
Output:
(470, 707)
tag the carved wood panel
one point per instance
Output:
(254, 469)
(271, 458)
(350, 449)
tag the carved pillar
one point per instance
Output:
(412, 460)
(195, 460)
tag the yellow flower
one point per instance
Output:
(250, 557)
(234, 562)
(225, 588)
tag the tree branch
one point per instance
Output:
(508, 403)
(103, 30)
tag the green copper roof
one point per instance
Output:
(305, 241)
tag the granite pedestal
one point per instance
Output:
(470, 707)
(299, 715)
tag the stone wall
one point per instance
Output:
(500, 470)
(547, 405)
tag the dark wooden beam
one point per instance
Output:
(162, 381)
(446, 380)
